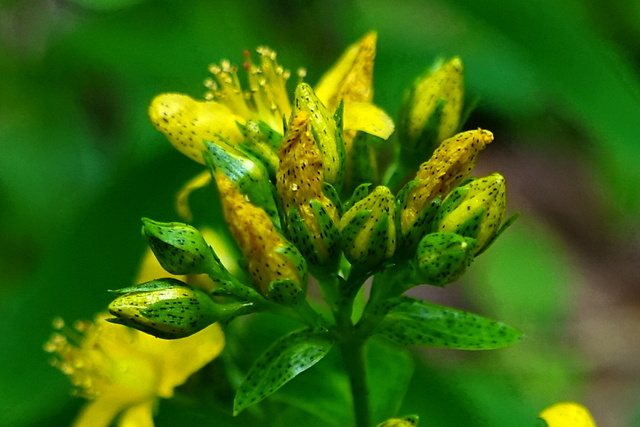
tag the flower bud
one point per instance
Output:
(368, 231)
(187, 123)
(448, 166)
(475, 210)
(442, 258)
(269, 256)
(311, 216)
(326, 131)
(408, 421)
(179, 248)
(431, 111)
(167, 308)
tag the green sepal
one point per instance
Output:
(507, 223)
(442, 258)
(285, 292)
(248, 173)
(262, 142)
(541, 423)
(422, 225)
(237, 291)
(410, 321)
(359, 193)
(330, 192)
(286, 358)
(300, 236)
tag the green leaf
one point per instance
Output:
(411, 321)
(286, 358)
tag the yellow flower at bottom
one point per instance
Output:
(567, 414)
(123, 371)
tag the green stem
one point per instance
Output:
(353, 356)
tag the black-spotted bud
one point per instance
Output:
(431, 111)
(326, 132)
(168, 308)
(368, 230)
(448, 166)
(179, 248)
(408, 421)
(442, 258)
(475, 210)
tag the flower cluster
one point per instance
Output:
(305, 192)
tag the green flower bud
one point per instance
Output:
(476, 210)
(431, 111)
(168, 308)
(368, 230)
(408, 421)
(327, 133)
(442, 258)
(179, 248)
(248, 174)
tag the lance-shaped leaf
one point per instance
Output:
(410, 321)
(286, 358)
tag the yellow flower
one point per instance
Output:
(187, 122)
(567, 414)
(123, 371)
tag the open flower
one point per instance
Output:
(123, 371)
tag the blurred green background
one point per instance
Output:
(558, 83)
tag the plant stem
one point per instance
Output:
(353, 356)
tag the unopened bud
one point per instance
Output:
(431, 111)
(167, 308)
(368, 231)
(326, 131)
(442, 258)
(475, 210)
(454, 159)
(179, 248)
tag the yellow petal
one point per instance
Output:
(100, 412)
(368, 118)
(187, 122)
(351, 77)
(263, 247)
(179, 359)
(182, 200)
(140, 415)
(567, 414)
